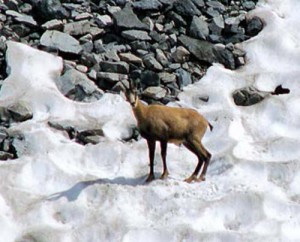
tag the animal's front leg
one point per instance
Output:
(151, 147)
(163, 146)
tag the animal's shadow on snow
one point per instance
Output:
(73, 193)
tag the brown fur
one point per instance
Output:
(173, 125)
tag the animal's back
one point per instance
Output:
(172, 123)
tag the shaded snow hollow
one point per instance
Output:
(59, 190)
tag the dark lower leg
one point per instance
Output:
(194, 175)
(206, 163)
(163, 146)
(151, 147)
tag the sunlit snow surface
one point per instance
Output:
(61, 191)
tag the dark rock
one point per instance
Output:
(184, 78)
(199, 3)
(178, 20)
(111, 77)
(115, 67)
(61, 41)
(168, 3)
(143, 45)
(152, 63)
(248, 96)
(225, 57)
(3, 135)
(93, 136)
(21, 30)
(127, 19)
(147, 5)
(71, 131)
(149, 78)
(217, 25)
(248, 5)
(212, 12)
(4, 117)
(5, 155)
(186, 8)
(198, 28)
(201, 49)
(77, 86)
(20, 111)
(216, 6)
(254, 26)
(50, 9)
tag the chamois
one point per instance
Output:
(170, 124)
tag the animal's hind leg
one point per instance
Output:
(151, 147)
(206, 162)
(195, 149)
(163, 146)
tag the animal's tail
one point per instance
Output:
(210, 126)
(280, 90)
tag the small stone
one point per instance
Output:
(115, 67)
(131, 58)
(152, 63)
(111, 77)
(103, 20)
(5, 155)
(184, 78)
(82, 68)
(20, 111)
(53, 25)
(77, 28)
(181, 54)
(147, 5)
(155, 92)
(135, 35)
(166, 77)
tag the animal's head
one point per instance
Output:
(131, 93)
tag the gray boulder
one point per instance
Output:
(50, 9)
(61, 41)
(127, 19)
(248, 96)
(135, 35)
(186, 8)
(115, 67)
(201, 49)
(20, 111)
(198, 28)
(77, 28)
(254, 26)
(77, 86)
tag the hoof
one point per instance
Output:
(150, 178)
(190, 179)
(164, 176)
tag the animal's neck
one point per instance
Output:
(139, 110)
